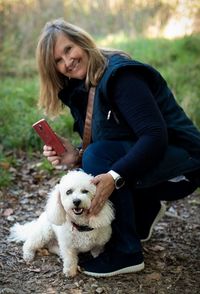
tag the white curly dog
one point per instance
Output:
(66, 219)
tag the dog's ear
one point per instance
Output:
(54, 209)
(104, 217)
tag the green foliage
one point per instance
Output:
(18, 113)
(18, 108)
(5, 175)
(46, 165)
(5, 178)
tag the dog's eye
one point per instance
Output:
(84, 191)
(70, 191)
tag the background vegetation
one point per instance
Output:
(162, 33)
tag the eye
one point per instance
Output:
(84, 191)
(68, 192)
(67, 49)
(58, 60)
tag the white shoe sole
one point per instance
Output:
(126, 270)
(160, 214)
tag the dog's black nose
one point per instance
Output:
(76, 202)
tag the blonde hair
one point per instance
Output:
(51, 81)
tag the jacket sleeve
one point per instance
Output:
(132, 97)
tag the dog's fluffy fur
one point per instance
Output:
(68, 203)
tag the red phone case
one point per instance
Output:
(48, 136)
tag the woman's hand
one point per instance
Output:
(70, 157)
(104, 187)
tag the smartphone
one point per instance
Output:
(48, 136)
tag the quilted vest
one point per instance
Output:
(108, 123)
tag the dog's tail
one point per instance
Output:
(20, 233)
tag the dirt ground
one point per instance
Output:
(172, 256)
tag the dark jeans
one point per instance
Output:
(131, 205)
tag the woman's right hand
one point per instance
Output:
(70, 157)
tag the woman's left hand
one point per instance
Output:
(104, 187)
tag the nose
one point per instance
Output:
(67, 61)
(76, 202)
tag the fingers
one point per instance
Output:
(96, 206)
(54, 160)
(99, 200)
(104, 188)
(95, 180)
(51, 155)
(47, 148)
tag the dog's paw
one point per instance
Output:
(28, 256)
(70, 272)
(96, 251)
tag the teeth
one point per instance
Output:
(73, 66)
(78, 210)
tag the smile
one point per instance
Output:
(74, 65)
(78, 211)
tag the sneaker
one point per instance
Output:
(109, 264)
(145, 232)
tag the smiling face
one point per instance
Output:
(71, 60)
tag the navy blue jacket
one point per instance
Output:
(183, 151)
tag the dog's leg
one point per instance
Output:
(34, 243)
(70, 262)
(67, 253)
(53, 247)
(29, 250)
(95, 251)
(40, 235)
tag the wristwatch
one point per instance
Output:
(119, 181)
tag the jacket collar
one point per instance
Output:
(72, 90)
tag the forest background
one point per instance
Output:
(165, 34)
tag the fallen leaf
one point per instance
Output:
(43, 252)
(51, 290)
(157, 248)
(153, 276)
(5, 165)
(13, 170)
(76, 291)
(8, 212)
(194, 202)
(35, 270)
(160, 265)
(177, 270)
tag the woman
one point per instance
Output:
(141, 138)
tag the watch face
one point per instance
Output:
(119, 183)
